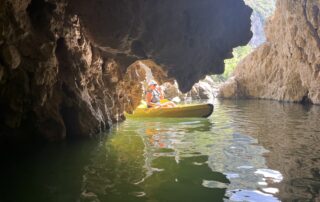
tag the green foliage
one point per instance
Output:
(238, 54)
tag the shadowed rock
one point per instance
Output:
(190, 39)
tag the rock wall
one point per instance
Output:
(64, 64)
(287, 66)
(204, 89)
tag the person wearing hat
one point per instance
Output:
(154, 95)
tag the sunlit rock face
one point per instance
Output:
(64, 64)
(257, 29)
(287, 66)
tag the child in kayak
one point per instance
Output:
(154, 96)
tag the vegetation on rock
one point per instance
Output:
(238, 54)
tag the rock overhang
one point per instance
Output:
(189, 39)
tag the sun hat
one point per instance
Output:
(152, 82)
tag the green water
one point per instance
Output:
(246, 151)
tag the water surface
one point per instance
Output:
(246, 151)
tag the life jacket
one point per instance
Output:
(155, 96)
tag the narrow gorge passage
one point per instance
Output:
(71, 70)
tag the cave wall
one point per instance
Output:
(287, 66)
(64, 64)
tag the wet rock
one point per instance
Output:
(286, 66)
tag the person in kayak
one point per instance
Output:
(154, 96)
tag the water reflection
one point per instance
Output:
(149, 160)
(116, 167)
(246, 151)
(178, 160)
(291, 135)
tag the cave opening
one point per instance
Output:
(262, 10)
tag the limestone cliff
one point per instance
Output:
(287, 66)
(257, 29)
(262, 9)
(64, 63)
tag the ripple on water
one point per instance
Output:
(232, 175)
(214, 184)
(245, 167)
(271, 175)
(246, 151)
(251, 196)
(139, 194)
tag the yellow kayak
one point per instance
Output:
(193, 110)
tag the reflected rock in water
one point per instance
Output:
(291, 135)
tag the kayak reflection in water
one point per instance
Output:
(155, 138)
(154, 97)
